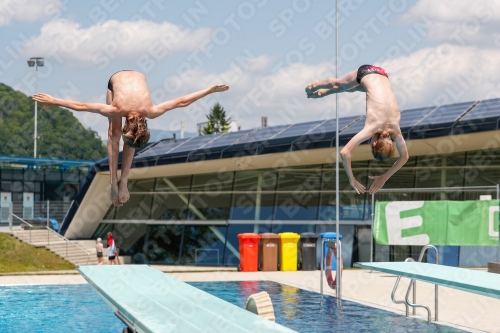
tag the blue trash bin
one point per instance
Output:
(330, 236)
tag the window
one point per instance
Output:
(203, 245)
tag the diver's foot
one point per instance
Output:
(123, 193)
(115, 199)
(312, 87)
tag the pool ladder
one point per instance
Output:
(413, 283)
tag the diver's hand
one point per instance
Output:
(218, 88)
(358, 186)
(377, 184)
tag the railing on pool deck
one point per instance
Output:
(338, 274)
(49, 230)
(413, 283)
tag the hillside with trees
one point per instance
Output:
(60, 134)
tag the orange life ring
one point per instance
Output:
(330, 255)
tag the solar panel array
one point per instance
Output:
(485, 109)
(445, 114)
(348, 125)
(410, 118)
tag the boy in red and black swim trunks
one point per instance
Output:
(382, 119)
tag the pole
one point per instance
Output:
(498, 222)
(371, 238)
(338, 289)
(36, 108)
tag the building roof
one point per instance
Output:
(419, 123)
(30, 162)
(416, 124)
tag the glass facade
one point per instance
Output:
(46, 184)
(195, 219)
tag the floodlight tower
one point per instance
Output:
(35, 62)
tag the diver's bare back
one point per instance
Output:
(382, 110)
(131, 93)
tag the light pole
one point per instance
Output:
(37, 62)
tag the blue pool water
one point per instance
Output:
(78, 308)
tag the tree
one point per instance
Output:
(60, 134)
(217, 121)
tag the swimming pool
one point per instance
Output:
(78, 308)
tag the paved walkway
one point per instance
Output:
(373, 288)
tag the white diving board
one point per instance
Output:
(473, 281)
(156, 302)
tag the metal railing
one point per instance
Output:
(413, 284)
(22, 221)
(49, 230)
(45, 209)
(338, 263)
(68, 242)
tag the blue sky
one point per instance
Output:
(267, 51)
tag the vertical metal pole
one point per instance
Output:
(36, 108)
(322, 265)
(498, 223)
(414, 296)
(337, 183)
(48, 231)
(371, 238)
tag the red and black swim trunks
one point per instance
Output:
(369, 69)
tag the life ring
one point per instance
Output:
(330, 255)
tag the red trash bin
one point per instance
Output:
(249, 252)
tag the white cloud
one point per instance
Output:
(28, 10)
(444, 74)
(464, 22)
(437, 75)
(113, 40)
(280, 96)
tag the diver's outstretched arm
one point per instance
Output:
(104, 109)
(184, 101)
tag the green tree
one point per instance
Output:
(217, 121)
(60, 134)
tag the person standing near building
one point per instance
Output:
(111, 250)
(99, 249)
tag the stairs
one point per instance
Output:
(54, 243)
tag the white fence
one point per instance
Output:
(45, 209)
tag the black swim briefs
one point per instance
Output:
(110, 85)
(369, 69)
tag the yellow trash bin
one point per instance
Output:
(288, 250)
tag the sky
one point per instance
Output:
(436, 52)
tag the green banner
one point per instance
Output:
(473, 223)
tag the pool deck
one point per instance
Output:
(467, 310)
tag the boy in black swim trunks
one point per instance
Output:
(127, 97)
(382, 119)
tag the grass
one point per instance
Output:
(16, 256)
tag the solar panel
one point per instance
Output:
(329, 125)
(445, 113)
(163, 147)
(485, 109)
(227, 139)
(298, 129)
(265, 133)
(353, 128)
(194, 144)
(411, 117)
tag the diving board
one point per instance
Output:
(155, 302)
(473, 281)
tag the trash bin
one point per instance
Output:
(288, 250)
(269, 251)
(308, 250)
(249, 252)
(331, 237)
